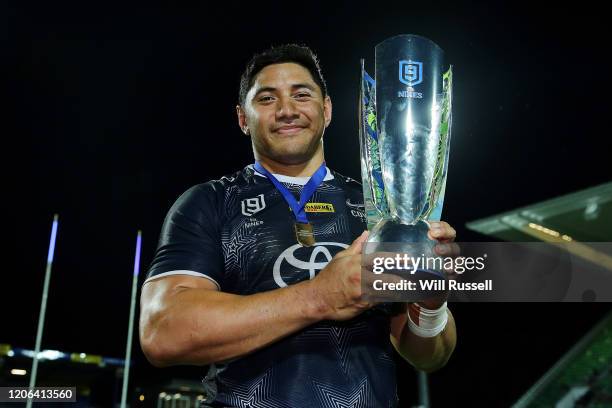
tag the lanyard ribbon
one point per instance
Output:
(307, 192)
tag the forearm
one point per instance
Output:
(427, 353)
(197, 327)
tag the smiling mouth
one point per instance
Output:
(288, 130)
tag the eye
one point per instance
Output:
(265, 98)
(302, 95)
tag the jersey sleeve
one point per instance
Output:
(190, 242)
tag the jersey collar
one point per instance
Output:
(294, 180)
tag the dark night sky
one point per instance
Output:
(113, 111)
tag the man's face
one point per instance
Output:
(285, 113)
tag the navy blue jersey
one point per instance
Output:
(238, 232)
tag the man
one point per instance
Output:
(234, 282)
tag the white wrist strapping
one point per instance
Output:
(427, 322)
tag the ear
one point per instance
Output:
(242, 122)
(327, 110)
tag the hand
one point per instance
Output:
(441, 231)
(444, 234)
(338, 285)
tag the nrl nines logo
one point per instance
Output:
(411, 74)
(253, 205)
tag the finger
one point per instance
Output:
(450, 249)
(441, 231)
(357, 245)
(369, 260)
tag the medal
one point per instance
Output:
(304, 231)
(304, 234)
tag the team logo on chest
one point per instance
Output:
(253, 205)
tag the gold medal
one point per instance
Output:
(304, 234)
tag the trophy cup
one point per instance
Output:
(405, 121)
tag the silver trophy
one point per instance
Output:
(405, 122)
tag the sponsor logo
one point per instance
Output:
(308, 262)
(358, 206)
(319, 208)
(253, 205)
(358, 214)
(357, 209)
(410, 72)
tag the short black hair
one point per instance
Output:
(298, 54)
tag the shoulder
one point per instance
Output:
(219, 186)
(211, 193)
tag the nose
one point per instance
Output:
(286, 109)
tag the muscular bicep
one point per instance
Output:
(155, 292)
(181, 281)
(157, 300)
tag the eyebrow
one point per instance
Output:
(293, 87)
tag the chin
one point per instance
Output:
(292, 154)
(291, 157)
(289, 150)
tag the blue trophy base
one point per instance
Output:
(392, 237)
(393, 231)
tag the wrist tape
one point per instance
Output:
(427, 322)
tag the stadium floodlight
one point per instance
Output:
(128, 347)
(43, 307)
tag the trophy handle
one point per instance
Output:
(375, 201)
(433, 211)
